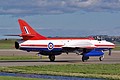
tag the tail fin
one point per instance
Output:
(28, 33)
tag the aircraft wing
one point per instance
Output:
(79, 44)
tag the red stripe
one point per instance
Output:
(40, 45)
(104, 45)
(33, 45)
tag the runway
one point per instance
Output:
(71, 58)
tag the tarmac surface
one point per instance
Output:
(71, 58)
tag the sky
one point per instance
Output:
(66, 18)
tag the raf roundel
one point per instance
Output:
(50, 46)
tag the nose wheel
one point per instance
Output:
(101, 58)
(52, 58)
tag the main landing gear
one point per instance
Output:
(84, 58)
(52, 58)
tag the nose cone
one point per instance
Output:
(104, 44)
(109, 44)
(113, 45)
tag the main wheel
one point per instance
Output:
(101, 58)
(52, 58)
(84, 58)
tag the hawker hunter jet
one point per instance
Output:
(87, 47)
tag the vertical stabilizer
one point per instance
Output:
(28, 33)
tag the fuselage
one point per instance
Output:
(58, 44)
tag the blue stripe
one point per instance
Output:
(40, 49)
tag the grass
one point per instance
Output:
(17, 78)
(107, 71)
(7, 44)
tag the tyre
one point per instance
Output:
(101, 58)
(84, 58)
(52, 58)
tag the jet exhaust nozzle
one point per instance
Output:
(17, 45)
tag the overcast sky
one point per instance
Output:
(62, 17)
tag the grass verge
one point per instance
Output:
(7, 44)
(107, 71)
